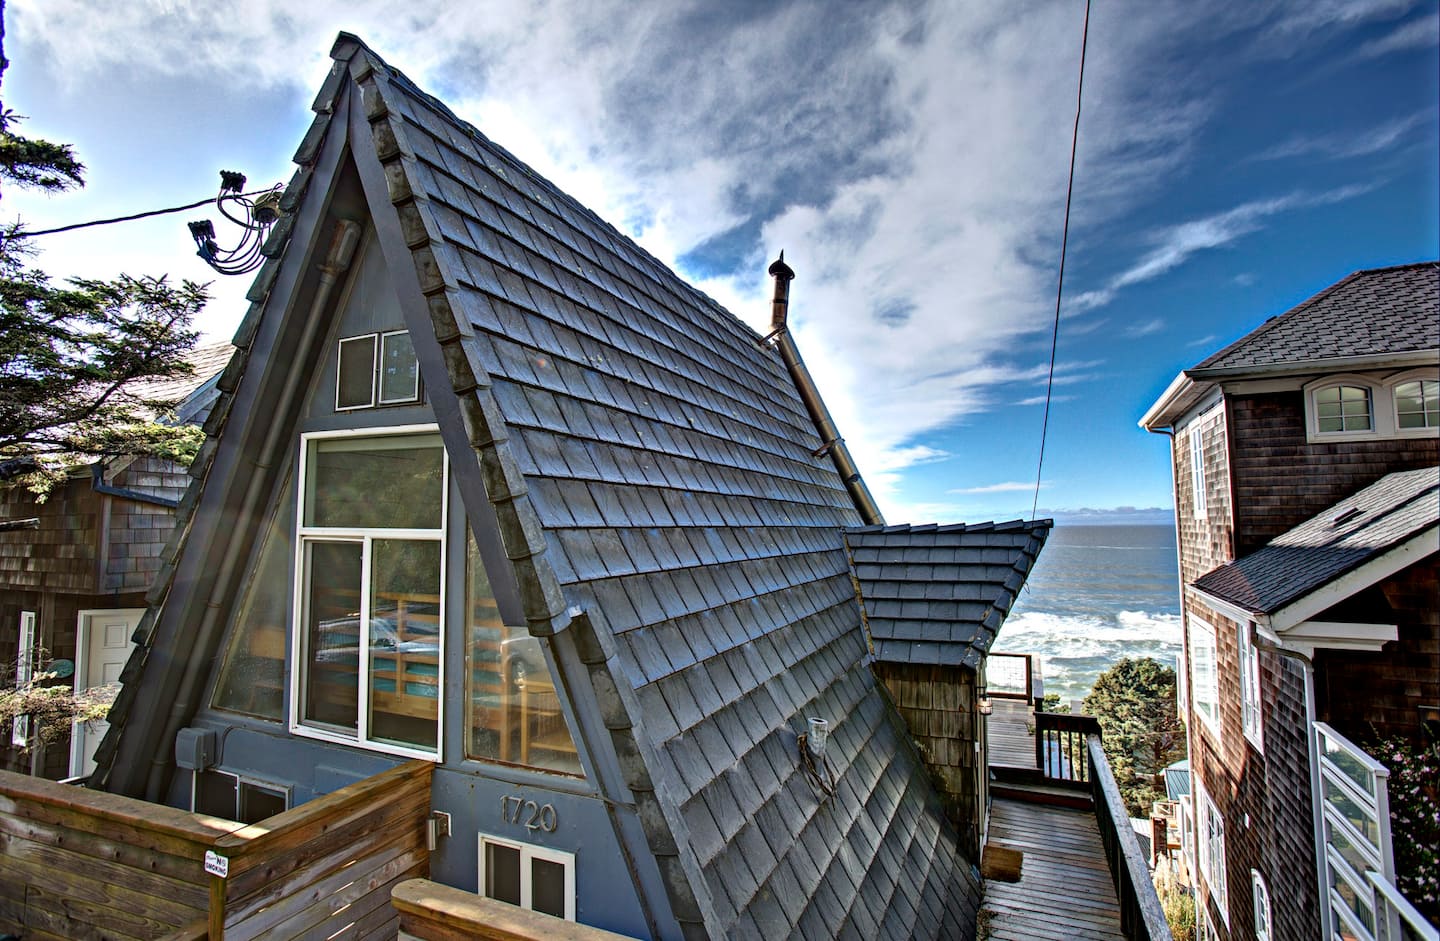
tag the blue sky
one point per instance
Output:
(910, 157)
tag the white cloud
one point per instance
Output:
(910, 157)
(1341, 145)
(1176, 244)
(1419, 33)
(1009, 486)
(1152, 326)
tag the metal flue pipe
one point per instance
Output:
(809, 394)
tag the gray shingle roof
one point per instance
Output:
(1359, 528)
(938, 594)
(652, 470)
(1375, 311)
(669, 462)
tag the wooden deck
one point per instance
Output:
(1011, 732)
(1065, 890)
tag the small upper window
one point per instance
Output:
(1343, 408)
(1417, 404)
(376, 369)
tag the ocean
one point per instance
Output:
(1098, 593)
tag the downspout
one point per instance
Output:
(196, 670)
(98, 484)
(809, 394)
(1316, 810)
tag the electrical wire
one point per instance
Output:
(1064, 244)
(130, 218)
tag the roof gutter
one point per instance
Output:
(1330, 364)
(810, 394)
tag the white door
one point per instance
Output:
(102, 645)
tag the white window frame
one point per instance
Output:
(1210, 847)
(24, 672)
(1201, 639)
(306, 535)
(1198, 504)
(377, 362)
(1312, 409)
(529, 852)
(414, 394)
(1260, 902)
(374, 341)
(1392, 386)
(1251, 717)
(1182, 684)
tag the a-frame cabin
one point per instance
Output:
(490, 486)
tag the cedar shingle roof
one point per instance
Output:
(652, 471)
(1375, 311)
(1359, 528)
(938, 594)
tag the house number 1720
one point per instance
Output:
(528, 814)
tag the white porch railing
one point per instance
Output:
(1360, 861)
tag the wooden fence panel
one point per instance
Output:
(83, 864)
(326, 867)
(433, 912)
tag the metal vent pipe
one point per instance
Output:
(809, 394)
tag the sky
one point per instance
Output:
(911, 159)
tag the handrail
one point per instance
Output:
(1060, 747)
(1400, 905)
(1142, 918)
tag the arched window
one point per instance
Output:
(1417, 404)
(1343, 408)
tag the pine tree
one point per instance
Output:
(75, 360)
(1134, 702)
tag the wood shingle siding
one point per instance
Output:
(1281, 479)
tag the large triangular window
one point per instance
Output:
(512, 710)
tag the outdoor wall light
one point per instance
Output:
(259, 215)
(984, 706)
(818, 735)
(812, 755)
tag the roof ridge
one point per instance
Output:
(1279, 320)
(395, 74)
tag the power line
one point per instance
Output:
(1064, 244)
(130, 218)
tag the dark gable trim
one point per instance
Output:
(234, 478)
(492, 488)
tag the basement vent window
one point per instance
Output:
(376, 369)
(221, 794)
(533, 877)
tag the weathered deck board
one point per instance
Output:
(1011, 734)
(1065, 890)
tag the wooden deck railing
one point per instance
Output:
(433, 912)
(1060, 747)
(1141, 916)
(80, 863)
(342, 852)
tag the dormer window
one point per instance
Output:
(1343, 408)
(376, 369)
(1417, 404)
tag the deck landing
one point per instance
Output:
(1065, 890)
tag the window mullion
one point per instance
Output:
(362, 697)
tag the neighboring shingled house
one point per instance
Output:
(491, 486)
(1305, 459)
(934, 598)
(73, 583)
